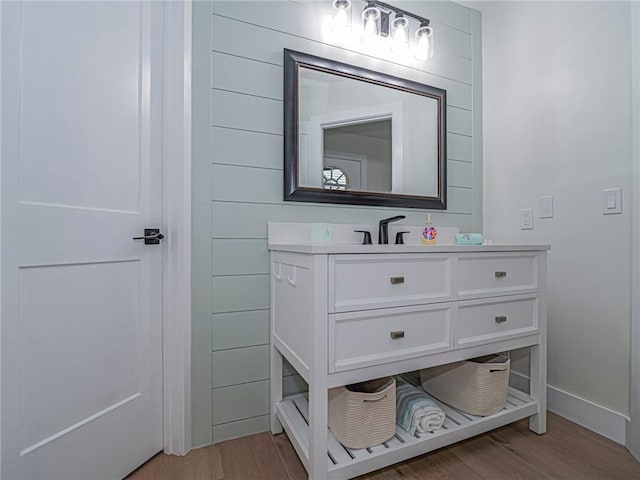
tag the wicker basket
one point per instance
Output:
(363, 415)
(478, 386)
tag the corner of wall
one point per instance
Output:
(633, 427)
(201, 228)
(476, 38)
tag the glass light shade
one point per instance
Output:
(370, 16)
(424, 42)
(341, 19)
(400, 34)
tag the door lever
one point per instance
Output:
(152, 236)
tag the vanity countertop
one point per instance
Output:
(327, 248)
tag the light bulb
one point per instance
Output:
(370, 17)
(400, 34)
(424, 42)
(370, 26)
(341, 19)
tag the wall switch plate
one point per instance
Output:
(611, 200)
(526, 219)
(545, 207)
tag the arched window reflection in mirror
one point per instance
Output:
(334, 179)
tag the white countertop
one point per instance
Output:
(326, 248)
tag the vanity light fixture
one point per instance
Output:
(377, 26)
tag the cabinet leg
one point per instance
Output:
(538, 387)
(275, 388)
(318, 420)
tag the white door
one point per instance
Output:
(81, 301)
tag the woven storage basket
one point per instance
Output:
(477, 387)
(363, 415)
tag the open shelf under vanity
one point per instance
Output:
(343, 462)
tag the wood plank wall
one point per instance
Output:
(238, 175)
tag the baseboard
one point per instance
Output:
(599, 419)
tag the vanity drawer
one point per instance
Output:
(363, 282)
(482, 321)
(373, 338)
(500, 274)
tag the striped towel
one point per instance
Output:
(415, 411)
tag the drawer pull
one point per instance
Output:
(501, 274)
(397, 334)
(396, 280)
(501, 318)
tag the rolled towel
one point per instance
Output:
(469, 239)
(415, 411)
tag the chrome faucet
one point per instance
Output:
(383, 229)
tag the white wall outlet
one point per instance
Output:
(611, 200)
(526, 219)
(545, 207)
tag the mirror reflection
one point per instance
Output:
(356, 135)
(362, 151)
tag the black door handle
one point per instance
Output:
(152, 236)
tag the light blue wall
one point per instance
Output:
(238, 175)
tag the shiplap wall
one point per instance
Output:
(238, 175)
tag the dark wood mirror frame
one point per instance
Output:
(294, 192)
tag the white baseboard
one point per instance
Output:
(599, 419)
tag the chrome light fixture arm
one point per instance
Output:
(397, 10)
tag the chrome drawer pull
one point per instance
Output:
(396, 280)
(501, 319)
(397, 334)
(501, 274)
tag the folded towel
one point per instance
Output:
(415, 411)
(469, 239)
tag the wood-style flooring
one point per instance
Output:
(567, 451)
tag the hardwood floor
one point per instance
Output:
(567, 451)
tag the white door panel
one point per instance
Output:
(82, 65)
(54, 380)
(81, 176)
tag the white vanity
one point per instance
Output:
(345, 313)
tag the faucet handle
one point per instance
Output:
(400, 238)
(366, 239)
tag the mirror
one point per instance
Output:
(361, 137)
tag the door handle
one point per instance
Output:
(501, 318)
(152, 236)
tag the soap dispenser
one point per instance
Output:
(429, 233)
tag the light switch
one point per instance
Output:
(611, 201)
(545, 207)
(526, 219)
